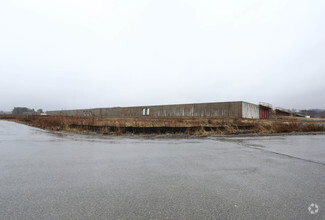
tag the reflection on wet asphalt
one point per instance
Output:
(303, 147)
(52, 175)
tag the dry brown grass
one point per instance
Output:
(193, 126)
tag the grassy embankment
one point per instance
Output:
(192, 126)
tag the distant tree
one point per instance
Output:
(19, 110)
(314, 113)
(22, 110)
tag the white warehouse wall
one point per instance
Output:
(250, 110)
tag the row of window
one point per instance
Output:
(145, 112)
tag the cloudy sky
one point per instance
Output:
(67, 54)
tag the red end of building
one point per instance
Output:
(265, 111)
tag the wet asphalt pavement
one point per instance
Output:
(47, 175)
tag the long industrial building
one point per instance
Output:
(237, 109)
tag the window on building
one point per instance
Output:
(148, 111)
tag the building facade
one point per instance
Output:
(237, 109)
(265, 110)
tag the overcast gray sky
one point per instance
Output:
(67, 54)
